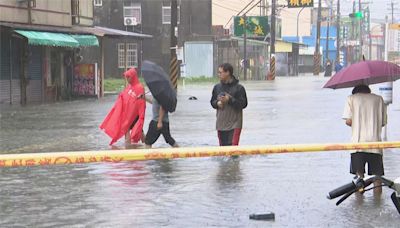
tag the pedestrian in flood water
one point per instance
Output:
(158, 125)
(365, 113)
(328, 69)
(229, 99)
(127, 115)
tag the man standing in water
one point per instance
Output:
(229, 99)
(365, 113)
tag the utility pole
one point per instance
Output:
(392, 6)
(369, 35)
(317, 55)
(338, 32)
(273, 25)
(327, 34)
(174, 41)
(361, 31)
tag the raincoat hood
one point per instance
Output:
(131, 73)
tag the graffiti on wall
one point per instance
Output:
(85, 79)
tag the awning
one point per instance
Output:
(58, 39)
(86, 40)
(49, 38)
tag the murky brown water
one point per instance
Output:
(196, 192)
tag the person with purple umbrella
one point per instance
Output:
(365, 113)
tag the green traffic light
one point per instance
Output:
(357, 15)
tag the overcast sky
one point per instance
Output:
(223, 10)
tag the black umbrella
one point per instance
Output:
(160, 85)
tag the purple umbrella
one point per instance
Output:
(366, 73)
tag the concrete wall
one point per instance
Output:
(46, 12)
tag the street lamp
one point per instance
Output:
(297, 33)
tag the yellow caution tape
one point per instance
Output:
(56, 158)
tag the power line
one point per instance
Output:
(240, 11)
(234, 10)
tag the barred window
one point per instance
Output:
(166, 13)
(131, 54)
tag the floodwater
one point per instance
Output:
(196, 192)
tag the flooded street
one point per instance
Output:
(196, 192)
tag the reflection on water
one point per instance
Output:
(229, 172)
(196, 192)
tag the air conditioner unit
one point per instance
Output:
(130, 21)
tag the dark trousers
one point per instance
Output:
(229, 138)
(153, 133)
(374, 161)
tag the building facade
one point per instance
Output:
(37, 48)
(153, 18)
(50, 50)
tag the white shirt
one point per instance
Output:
(368, 115)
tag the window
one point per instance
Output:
(166, 13)
(133, 10)
(98, 2)
(131, 53)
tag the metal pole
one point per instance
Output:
(11, 69)
(297, 31)
(387, 84)
(317, 42)
(272, 51)
(353, 34)
(361, 31)
(273, 26)
(102, 73)
(392, 5)
(369, 35)
(327, 37)
(338, 32)
(245, 47)
(117, 156)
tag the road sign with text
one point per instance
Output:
(300, 3)
(254, 26)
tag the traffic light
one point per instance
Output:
(356, 15)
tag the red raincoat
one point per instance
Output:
(129, 106)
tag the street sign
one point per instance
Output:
(255, 26)
(394, 26)
(353, 42)
(300, 3)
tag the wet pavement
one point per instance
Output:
(195, 192)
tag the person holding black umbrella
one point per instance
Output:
(158, 125)
(164, 101)
(229, 99)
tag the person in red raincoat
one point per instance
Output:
(127, 113)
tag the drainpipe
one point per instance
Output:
(29, 12)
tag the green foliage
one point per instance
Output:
(118, 84)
